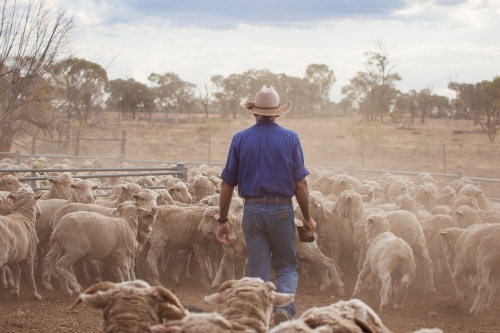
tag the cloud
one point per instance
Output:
(229, 14)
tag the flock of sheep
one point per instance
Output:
(398, 231)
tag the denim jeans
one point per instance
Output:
(270, 240)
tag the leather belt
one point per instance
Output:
(269, 200)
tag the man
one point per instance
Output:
(266, 162)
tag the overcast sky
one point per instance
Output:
(431, 40)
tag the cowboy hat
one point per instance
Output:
(267, 103)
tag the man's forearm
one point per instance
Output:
(226, 194)
(302, 196)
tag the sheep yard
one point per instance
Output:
(438, 146)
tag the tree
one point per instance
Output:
(130, 96)
(84, 83)
(32, 36)
(374, 90)
(172, 93)
(206, 93)
(320, 80)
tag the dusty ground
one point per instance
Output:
(438, 310)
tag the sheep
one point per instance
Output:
(475, 251)
(428, 196)
(431, 228)
(82, 191)
(465, 217)
(353, 316)
(9, 183)
(5, 205)
(179, 192)
(131, 307)
(125, 192)
(461, 201)
(145, 198)
(201, 187)
(164, 197)
(175, 228)
(447, 196)
(18, 239)
(395, 189)
(201, 323)
(406, 202)
(478, 194)
(93, 236)
(386, 255)
(60, 187)
(248, 302)
(490, 216)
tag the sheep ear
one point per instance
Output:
(38, 196)
(135, 196)
(370, 220)
(365, 326)
(72, 185)
(217, 298)
(97, 300)
(281, 299)
(52, 181)
(11, 197)
(443, 233)
(204, 201)
(95, 187)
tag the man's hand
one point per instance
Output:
(222, 233)
(309, 224)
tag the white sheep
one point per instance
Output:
(18, 239)
(474, 250)
(386, 255)
(9, 183)
(93, 236)
(431, 228)
(466, 216)
(131, 307)
(60, 187)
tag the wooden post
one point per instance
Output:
(444, 157)
(18, 157)
(77, 144)
(124, 141)
(209, 146)
(119, 112)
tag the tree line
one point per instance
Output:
(42, 88)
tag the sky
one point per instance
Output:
(429, 41)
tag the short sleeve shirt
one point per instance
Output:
(265, 160)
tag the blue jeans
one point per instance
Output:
(270, 240)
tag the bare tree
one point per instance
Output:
(206, 93)
(32, 37)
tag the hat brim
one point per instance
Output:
(282, 109)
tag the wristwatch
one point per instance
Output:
(222, 220)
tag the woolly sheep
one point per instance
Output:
(478, 194)
(201, 323)
(249, 302)
(201, 187)
(179, 192)
(461, 201)
(60, 187)
(465, 217)
(131, 307)
(476, 250)
(94, 236)
(18, 239)
(9, 183)
(122, 193)
(431, 228)
(386, 255)
(353, 316)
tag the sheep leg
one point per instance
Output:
(385, 292)
(438, 270)
(131, 265)
(152, 261)
(200, 256)
(230, 269)
(422, 253)
(482, 290)
(16, 275)
(3, 278)
(218, 276)
(494, 293)
(40, 251)
(188, 262)
(361, 279)
(325, 282)
(49, 263)
(92, 271)
(63, 267)
(401, 289)
(27, 266)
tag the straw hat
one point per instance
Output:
(267, 103)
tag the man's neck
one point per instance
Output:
(259, 117)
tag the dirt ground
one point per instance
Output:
(438, 310)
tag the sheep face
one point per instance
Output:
(449, 238)
(164, 197)
(83, 191)
(9, 183)
(179, 192)
(147, 199)
(62, 184)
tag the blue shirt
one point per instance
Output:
(265, 160)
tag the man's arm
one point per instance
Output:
(226, 194)
(302, 196)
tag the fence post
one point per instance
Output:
(183, 170)
(122, 159)
(124, 141)
(33, 182)
(18, 157)
(352, 170)
(119, 116)
(77, 144)
(460, 174)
